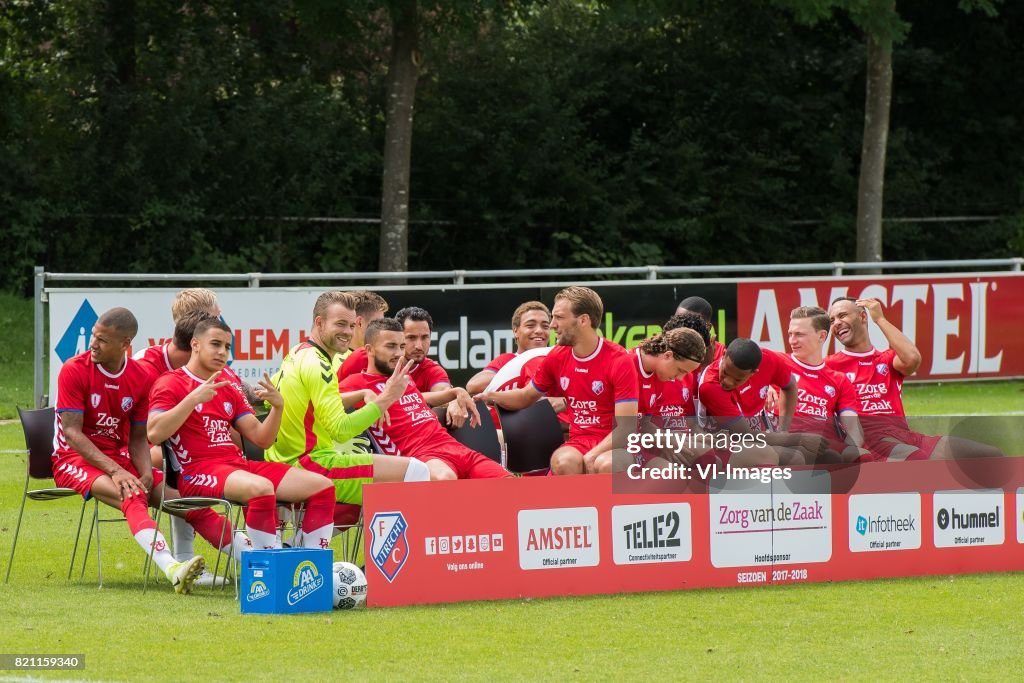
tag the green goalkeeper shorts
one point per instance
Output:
(348, 472)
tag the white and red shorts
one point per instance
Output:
(208, 478)
(74, 472)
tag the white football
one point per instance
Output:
(349, 586)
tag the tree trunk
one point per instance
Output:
(401, 83)
(878, 97)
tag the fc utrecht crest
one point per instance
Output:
(389, 546)
(563, 382)
(882, 369)
(830, 390)
(228, 408)
(126, 403)
(95, 399)
(597, 386)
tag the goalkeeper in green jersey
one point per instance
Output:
(315, 428)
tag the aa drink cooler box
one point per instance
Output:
(286, 581)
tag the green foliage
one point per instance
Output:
(146, 137)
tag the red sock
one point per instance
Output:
(136, 511)
(318, 522)
(261, 519)
(210, 526)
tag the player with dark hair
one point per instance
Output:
(412, 428)
(531, 322)
(699, 306)
(596, 376)
(731, 394)
(100, 446)
(369, 306)
(189, 308)
(195, 412)
(878, 377)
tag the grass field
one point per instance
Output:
(964, 627)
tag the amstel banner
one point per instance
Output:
(966, 326)
(438, 542)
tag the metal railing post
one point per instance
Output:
(254, 280)
(39, 276)
(837, 268)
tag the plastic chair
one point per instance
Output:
(482, 439)
(38, 426)
(531, 436)
(183, 505)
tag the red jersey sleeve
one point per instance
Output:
(351, 383)
(242, 405)
(165, 394)
(717, 401)
(545, 379)
(624, 379)
(499, 362)
(781, 375)
(353, 365)
(71, 388)
(846, 395)
(433, 375)
(889, 357)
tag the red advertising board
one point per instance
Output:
(542, 536)
(967, 326)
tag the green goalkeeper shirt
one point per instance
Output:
(314, 418)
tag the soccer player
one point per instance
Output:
(596, 376)
(314, 411)
(731, 395)
(878, 377)
(369, 307)
(662, 359)
(531, 322)
(195, 409)
(823, 395)
(677, 401)
(412, 428)
(100, 442)
(699, 306)
(188, 308)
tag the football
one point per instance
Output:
(349, 586)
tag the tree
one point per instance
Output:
(403, 73)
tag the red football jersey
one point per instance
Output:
(499, 362)
(879, 387)
(414, 427)
(591, 386)
(156, 358)
(109, 403)
(206, 433)
(821, 395)
(353, 364)
(650, 388)
(717, 407)
(425, 375)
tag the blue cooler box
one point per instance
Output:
(287, 581)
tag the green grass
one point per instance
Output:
(964, 398)
(964, 627)
(16, 321)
